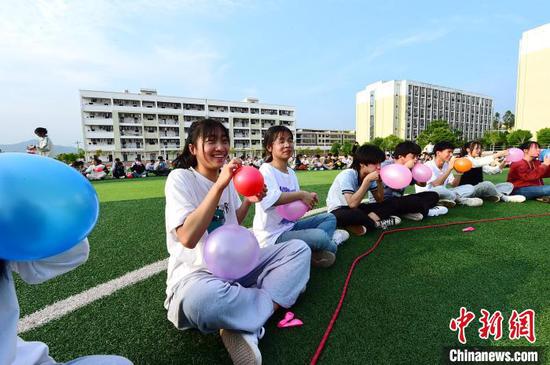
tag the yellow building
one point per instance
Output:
(405, 108)
(533, 98)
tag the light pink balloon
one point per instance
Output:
(231, 251)
(514, 155)
(292, 211)
(396, 176)
(421, 173)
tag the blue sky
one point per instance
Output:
(314, 55)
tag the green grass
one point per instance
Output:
(398, 308)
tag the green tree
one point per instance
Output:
(68, 158)
(519, 136)
(508, 120)
(347, 146)
(543, 137)
(496, 121)
(335, 148)
(377, 142)
(494, 138)
(438, 131)
(389, 143)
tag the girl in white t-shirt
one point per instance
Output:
(199, 198)
(13, 349)
(318, 231)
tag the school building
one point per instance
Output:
(405, 108)
(127, 125)
(322, 138)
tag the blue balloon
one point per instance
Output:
(46, 207)
(544, 153)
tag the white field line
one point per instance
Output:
(74, 302)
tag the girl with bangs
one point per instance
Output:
(200, 197)
(318, 231)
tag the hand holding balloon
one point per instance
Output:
(227, 172)
(248, 181)
(309, 199)
(259, 197)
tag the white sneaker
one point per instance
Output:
(437, 210)
(340, 236)
(493, 198)
(243, 346)
(446, 203)
(471, 202)
(512, 198)
(388, 222)
(413, 216)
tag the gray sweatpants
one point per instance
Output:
(486, 189)
(208, 303)
(457, 194)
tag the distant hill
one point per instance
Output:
(22, 147)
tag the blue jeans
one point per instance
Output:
(532, 192)
(316, 231)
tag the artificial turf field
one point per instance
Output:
(399, 304)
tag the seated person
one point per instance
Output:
(350, 187)
(480, 165)
(161, 168)
(442, 175)
(413, 206)
(119, 171)
(150, 166)
(96, 170)
(527, 175)
(138, 169)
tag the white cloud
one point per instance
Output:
(50, 49)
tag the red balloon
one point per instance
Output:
(248, 181)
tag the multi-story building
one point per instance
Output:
(532, 97)
(322, 138)
(405, 108)
(146, 125)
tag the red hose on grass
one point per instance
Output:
(324, 340)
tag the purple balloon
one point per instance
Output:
(292, 211)
(231, 252)
(421, 173)
(396, 176)
(514, 155)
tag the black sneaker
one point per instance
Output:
(388, 222)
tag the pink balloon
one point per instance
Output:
(231, 251)
(396, 176)
(514, 155)
(292, 211)
(421, 173)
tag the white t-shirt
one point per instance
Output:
(436, 173)
(185, 189)
(346, 182)
(268, 224)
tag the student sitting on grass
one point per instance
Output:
(138, 169)
(413, 206)
(199, 198)
(350, 187)
(318, 231)
(442, 175)
(96, 170)
(527, 174)
(150, 167)
(480, 165)
(161, 168)
(13, 349)
(119, 171)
